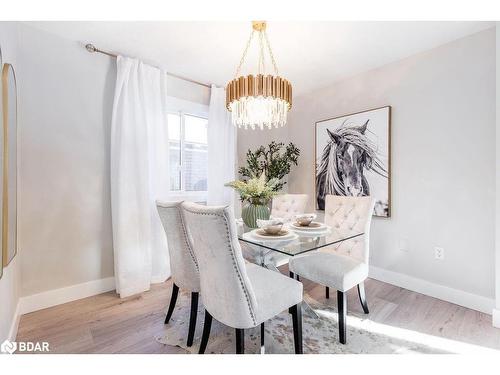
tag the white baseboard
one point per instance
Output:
(458, 297)
(55, 297)
(15, 324)
(496, 318)
(159, 279)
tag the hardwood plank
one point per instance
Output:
(107, 324)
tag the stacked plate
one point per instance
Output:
(315, 228)
(282, 235)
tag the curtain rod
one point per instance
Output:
(91, 48)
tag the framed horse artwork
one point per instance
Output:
(353, 158)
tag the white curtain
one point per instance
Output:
(139, 176)
(221, 135)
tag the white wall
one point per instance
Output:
(496, 312)
(10, 281)
(65, 217)
(443, 158)
(188, 91)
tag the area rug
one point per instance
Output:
(320, 334)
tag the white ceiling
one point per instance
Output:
(310, 54)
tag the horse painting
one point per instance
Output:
(346, 158)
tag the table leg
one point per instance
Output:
(305, 306)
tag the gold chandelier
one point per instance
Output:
(259, 100)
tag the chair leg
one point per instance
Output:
(327, 292)
(173, 300)
(362, 297)
(292, 275)
(297, 327)
(240, 341)
(192, 317)
(342, 307)
(262, 346)
(206, 332)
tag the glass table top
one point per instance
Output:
(297, 242)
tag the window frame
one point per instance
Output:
(180, 107)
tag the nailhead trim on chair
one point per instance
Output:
(235, 265)
(191, 253)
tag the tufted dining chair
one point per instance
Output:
(183, 262)
(344, 265)
(236, 294)
(286, 206)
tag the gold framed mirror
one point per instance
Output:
(9, 183)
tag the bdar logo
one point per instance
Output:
(24, 346)
(8, 347)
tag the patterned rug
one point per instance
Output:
(320, 334)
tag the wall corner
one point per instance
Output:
(496, 318)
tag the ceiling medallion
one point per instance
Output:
(261, 100)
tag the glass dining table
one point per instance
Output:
(274, 252)
(298, 242)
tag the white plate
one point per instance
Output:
(309, 233)
(290, 236)
(319, 228)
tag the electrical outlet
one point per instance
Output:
(403, 244)
(439, 253)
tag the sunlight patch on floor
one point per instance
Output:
(436, 342)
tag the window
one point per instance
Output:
(188, 151)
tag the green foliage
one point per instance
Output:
(256, 190)
(271, 161)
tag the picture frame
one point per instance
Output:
(353, 157)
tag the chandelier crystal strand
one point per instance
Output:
(259, 112)
(260, 101)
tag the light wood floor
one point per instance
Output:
(108, 324)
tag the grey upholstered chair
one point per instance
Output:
(286, 206)
(183, 262)
(345, 265)
(238, 295)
